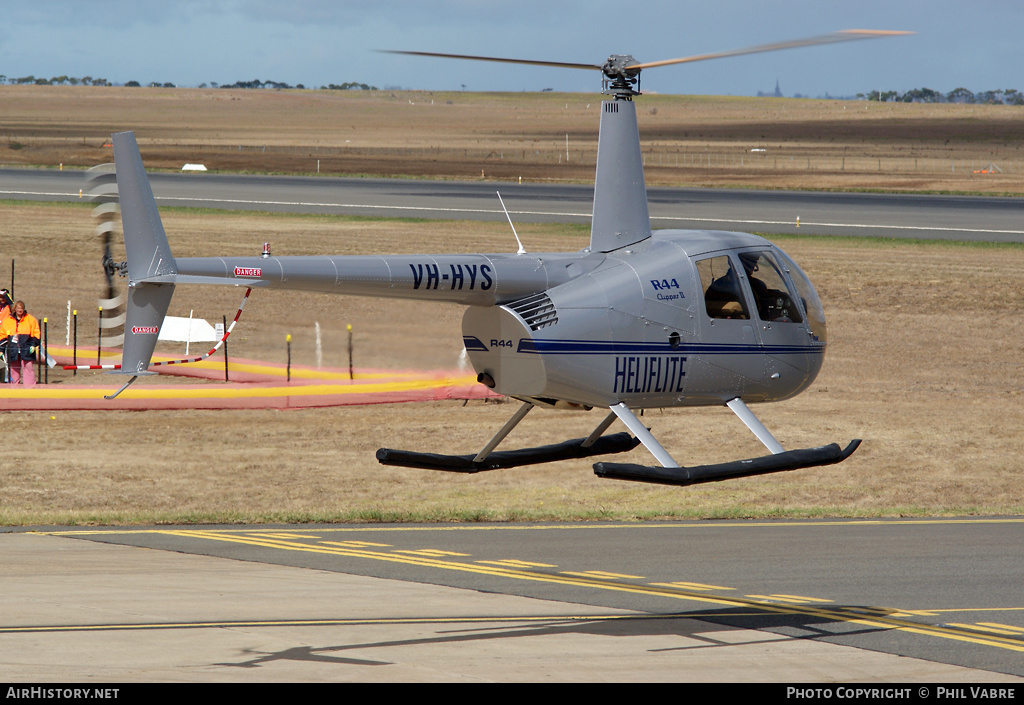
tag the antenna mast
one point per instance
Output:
(522, 250)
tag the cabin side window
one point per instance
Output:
(723, 296)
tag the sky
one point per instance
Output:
(978, 45)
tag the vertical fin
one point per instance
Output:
(145, 243)
(147, 306)
(620, 198)
(149, 255)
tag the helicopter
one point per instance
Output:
(639, 319)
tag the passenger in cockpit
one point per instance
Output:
(724, 297)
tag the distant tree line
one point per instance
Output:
(1009, 96)
(90, 81)
(55, 81)
(257, 83)
(351, 86)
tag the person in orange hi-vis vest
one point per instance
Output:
(5, 304)
(20, 333)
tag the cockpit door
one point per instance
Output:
(779, 315)
(728, 355)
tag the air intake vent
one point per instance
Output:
(537, 311)
(610, 107)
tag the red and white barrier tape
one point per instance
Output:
(214, 349)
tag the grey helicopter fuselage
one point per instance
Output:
(649, 324)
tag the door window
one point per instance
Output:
(723, 296)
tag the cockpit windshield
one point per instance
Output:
(772, 295)
(808, 297)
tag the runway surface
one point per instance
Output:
(790, 601)
(847, 214)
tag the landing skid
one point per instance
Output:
(615, 443)
(487, 459)
(777, 462)
(671, 473)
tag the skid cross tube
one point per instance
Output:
(754, 424)
(634, 424)
(601, 428)
(505, 430)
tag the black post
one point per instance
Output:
(99, 337)
(350, 373)
(225, 349)
(46, 347)
(288, 340)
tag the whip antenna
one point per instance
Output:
(522, 250)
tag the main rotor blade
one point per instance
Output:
(557, 64)
(846, 35)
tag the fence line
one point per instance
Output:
(653, 156)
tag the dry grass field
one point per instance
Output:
(924, 353)
(687, 140)
(923, 364)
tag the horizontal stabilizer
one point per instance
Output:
(779, 462)
(194, 279)
(615, 443)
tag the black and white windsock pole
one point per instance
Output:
(101, 188)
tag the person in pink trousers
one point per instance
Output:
(21, 334)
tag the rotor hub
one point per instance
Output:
(621, 79)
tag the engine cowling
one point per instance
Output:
(492, 336)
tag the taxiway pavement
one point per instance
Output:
(503, 603)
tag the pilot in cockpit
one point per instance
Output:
(773, 302)
(760, 289)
